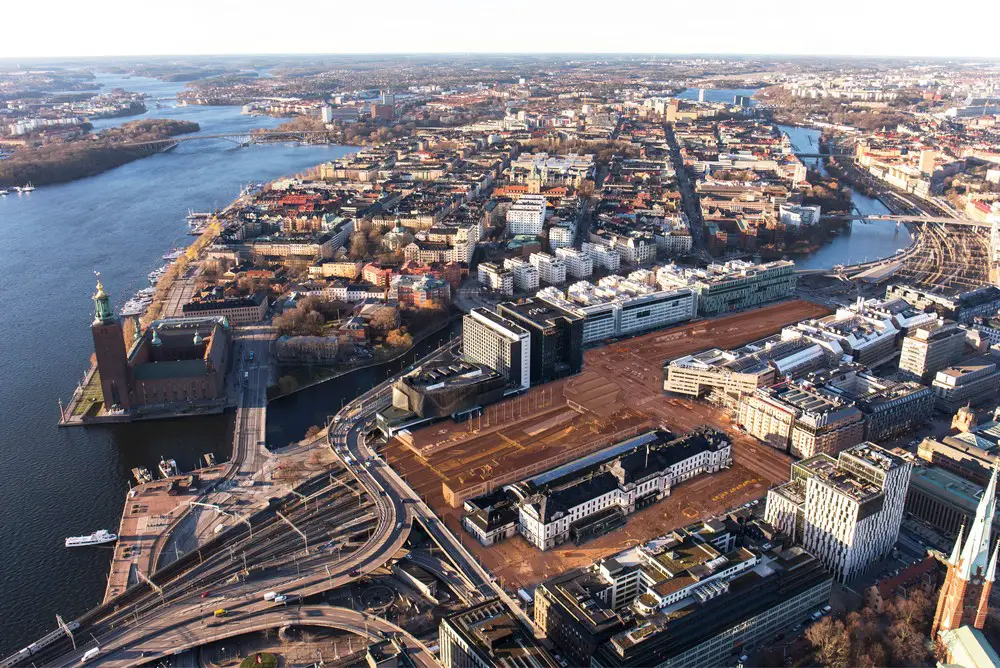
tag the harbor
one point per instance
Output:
(121, 223)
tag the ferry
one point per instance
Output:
(174, 254)
(168, 467)
(197, 215)
(142, 475)
(99, 537)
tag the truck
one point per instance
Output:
(90, 654)
(269, 596)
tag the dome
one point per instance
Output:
(197, 338)
(156, 341)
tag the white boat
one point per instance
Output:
(27, 187)
(3, 192)
(174, 254)
(99, 537)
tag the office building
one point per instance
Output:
(616, 307)
(846, 511)
(581, 609)
(578, 263)
(525, 274)
(500, 344)
(942, 499)
(733, 286)
(556, 337)
(724, 376)
(960, 307)
(488, 635)
(713, 605)
(801, 420)
(969, 383)
(890, 408)
(237, 310)
(551, 270)
(930, 348)
(965, 594)
(527, 215)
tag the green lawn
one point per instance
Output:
(92, 394)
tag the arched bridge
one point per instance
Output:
(239, 139)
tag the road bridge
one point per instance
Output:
(238, 138)
(823, 155)
(170, 641)
(916, 219)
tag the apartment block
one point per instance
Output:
(578, 263)
(527, 215)
(525, 274)
(602, 257)
(551, 270)
(496, 278)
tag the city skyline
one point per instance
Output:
(116, 28)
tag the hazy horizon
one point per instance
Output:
(116, 29)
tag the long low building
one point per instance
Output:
(593, 495)
(733, 286)
(725, 376)
(608, 313)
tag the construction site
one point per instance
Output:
(619, 393)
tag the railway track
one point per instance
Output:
(323, 509)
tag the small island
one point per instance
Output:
(88, 154)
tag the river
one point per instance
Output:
(65, 482)
(864, 240)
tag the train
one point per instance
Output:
(37, 646)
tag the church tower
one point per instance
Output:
(965, 594)
(109, 348)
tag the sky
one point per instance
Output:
(794, 27)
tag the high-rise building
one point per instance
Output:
(499, 343)
(488, 635)
(964, 598)
(846, 511)
(556, 337)
(930, 348)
